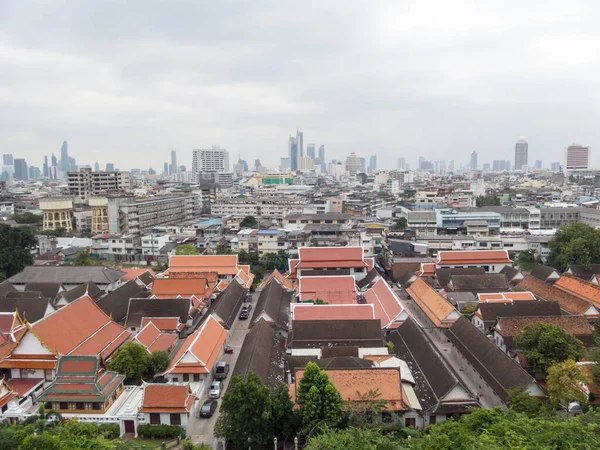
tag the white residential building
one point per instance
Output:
(215, 159)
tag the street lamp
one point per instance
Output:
(275, 443)
(249, 441)
(295, 442)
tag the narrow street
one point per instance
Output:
(201, 430)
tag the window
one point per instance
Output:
(175, 379)
(432, 420)
(154, 419)
(63, 405)
(196, 377)
(410, 422)
(186, 377)
(359, 270)
(175, 419)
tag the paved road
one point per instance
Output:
(202, 430)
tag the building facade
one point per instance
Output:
(85, 183)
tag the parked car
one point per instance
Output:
(247, 307)
(222, 370)
(208, 408)
(215, 389)
(243, 315)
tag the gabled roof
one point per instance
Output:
(407, 277)
(156, 307)
(5, 287)
(132, 274)
(31, 306)
(154, 340)
(544, 273)
(503, 297)
(167, 399)
(513, 326)
(439, 310)
(262, 353)
(222, 264)
(586, 273)
(184, 287)
(307, 311)
(488, 282)
(66, 275)
(49, 290)
(329, 289)
(8, 321)
(451, 258)
(79, 379)
(511, 273)
(90, 331)
(443, 275)
(489, 312)
(116, 303)
(329, 257)
(354, 333)
(200, 350)
(344, 362)
(168, 324)
(371, 277)
(88, 288)
(568, 303)
(498, 370)
(280, 278)
(434, 378)
(579, 288)
(274, 305)
(388, 307)
(228, 303)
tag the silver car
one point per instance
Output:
(215, 389)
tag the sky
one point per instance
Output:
(127, 81)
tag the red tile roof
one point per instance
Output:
(282, 280)
(154, 340)
(147, 334)
(438, 309)
(204, 346)
(513, 326)
(331, 289)
(503, 297)
(388, 307)
(22, 386)
(222, 264)
(184, 287)
(451, 258)
(329, 257)
(131, 274)
(579, 288)
(332, 312)
(164, 323)
(167, 398)
(8, 320)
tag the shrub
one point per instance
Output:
(109, 430)
(160, 431)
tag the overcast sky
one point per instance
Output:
(127, 81)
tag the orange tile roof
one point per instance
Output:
(567, 302)
(437, 308)
(77, 324)
(147, 334)
(513, 326)
(204, 345)
(185, 287)
(222, 264)
(579, 288)
(131, 274)
(167, 398)
(8, 320)
(163, 343)
(331, 289)
(352, 382)
(329, 257)
(387, 304)
(427, 270)
(503, 297)
(154, 340)
(244, 278)
(281, 279)
(473, 257)
(302, 311)
(164, 323)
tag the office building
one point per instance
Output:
(21, 172)
(521, 153)
(401, 163)
(322, 154)
(110, 167)
(64, 158)
(421, 161)
(499, 165)
(45, 167)
(54, 161)
(85, 183)
(7, 159)
(215, 159)
(373, 164)
(284, 164)
(555, 167)
(310, 151)
(474, 161)
(576, 157)
(538, 164)
(353, 164)
(293, 153)
(166, 169)
(442, 166)
(96, 167)
(305, 163)
(300, 142)
(363, 165)
(173, 162)
(34, 173)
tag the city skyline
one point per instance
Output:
(184, 79)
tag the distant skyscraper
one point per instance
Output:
(486, 167)
(45, 167)
(576, 157)
(21, 172)
(167, 169)
(373, 163)
(54, 161)
(110, 167)
(442, 166)
(353, 164)
(451, 166)
(538, 164)
(521, 153)
(363, 165)
(401, 163)
(173, 162)
(96, 167)
(215, 159)
(421, 161)
(499, 165)
(257, 164)
(300, 142)
(555, 167)
(293, 153)
(64, 158)
(474, 161)
(284, 165)
(322, 161)
(243, 163)
(7, 159)
(310, 151)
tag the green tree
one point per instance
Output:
(321, 404)
(159, 362)
(248, 258)
(564, 382)
(545, 344)
(58, 232)
(526, 260)
(272, 261)
(400, 224)
(27, 218)
(577, 243)
(521, 402)
(82, 258)
(355, 439)
(249, 222)
(282, 419)
(15, 249)
(365, 412)
(487, 200)
(131, 360)
(186, 249)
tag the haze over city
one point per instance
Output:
(127, 82)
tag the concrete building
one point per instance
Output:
(576, 157)
(263, 207)
(99, 207)
(85, 183)
(305, 163)
(293, 153)
(57, 212)
(215, 159)
(21, 172)
(116, 247)
(521, 154)
(474, 161)
(353, 164)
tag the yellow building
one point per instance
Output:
(57, 212)
(99, 207)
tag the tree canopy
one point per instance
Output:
(249, 222)
(15, 246)
(131, 360)
(186, 249)
(400, 224)
(487, 200)
(82, 258)
(545, 344)
(576, 243)
(272, 261)
(564, 382)
(27, 218)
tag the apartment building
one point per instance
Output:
(85, 183)
(117, 247)
(266, 208)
